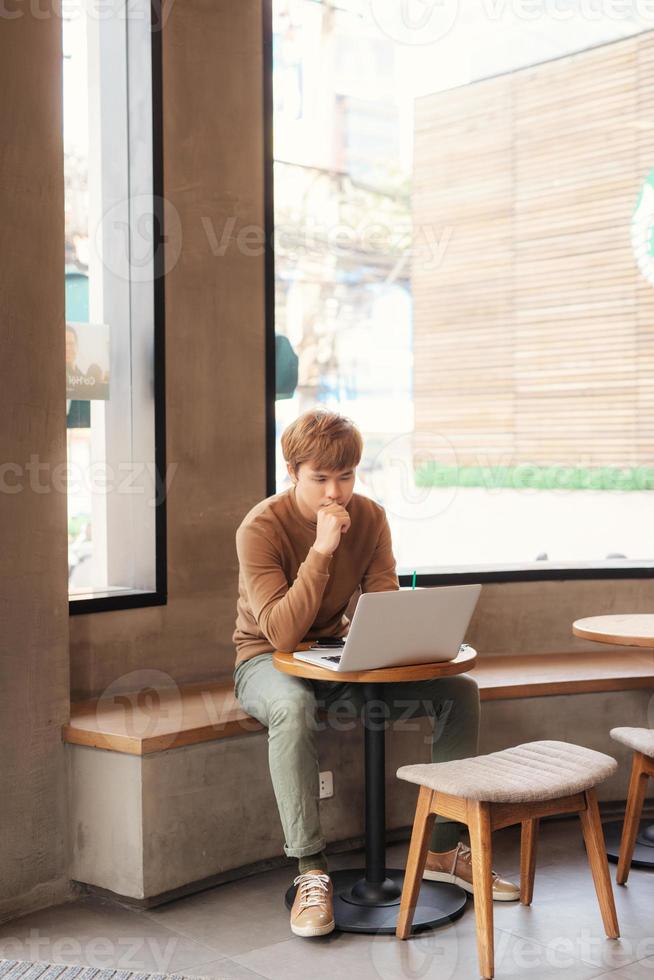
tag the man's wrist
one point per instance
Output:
(318, 561)
(327, 554)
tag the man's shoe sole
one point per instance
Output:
(462, 883)
(307, 931)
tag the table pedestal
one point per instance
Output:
(368, 899)
(644, 849)
(633, 630)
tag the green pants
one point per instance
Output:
(287, 705)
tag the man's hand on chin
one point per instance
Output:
(332, 522)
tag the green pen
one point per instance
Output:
(413, 584)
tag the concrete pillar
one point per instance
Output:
(34, 668)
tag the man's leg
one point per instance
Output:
(286, 706)
(452, 703)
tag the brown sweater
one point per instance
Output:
(288, 592)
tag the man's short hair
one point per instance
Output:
(326, 439)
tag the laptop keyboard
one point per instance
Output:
(337, 658)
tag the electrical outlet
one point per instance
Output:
(326, 785)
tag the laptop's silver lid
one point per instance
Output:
(412, 626)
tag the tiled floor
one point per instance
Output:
(241, 929)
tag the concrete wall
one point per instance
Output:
(34, 673)
(106, 818)
(537, 617)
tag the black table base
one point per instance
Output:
(438, 903)
(368, 900)
(644, 849)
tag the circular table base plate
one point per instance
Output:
(438, 904)
(643, 853)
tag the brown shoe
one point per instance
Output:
(455, 866)
(313, 909)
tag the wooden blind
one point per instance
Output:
(533, 336)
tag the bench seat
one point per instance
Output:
(547, 674)
(156, 720)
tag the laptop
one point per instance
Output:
(395, 629)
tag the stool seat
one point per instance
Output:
(526, 773)
(518, 785)
(639, 739)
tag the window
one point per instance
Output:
(114, 311)
(463, 249)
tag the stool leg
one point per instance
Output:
(635, 799)
(596, 848)
(528, 842)
(479, 825)
(415, 864)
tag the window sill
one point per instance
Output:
(528, 571)
(114, 599)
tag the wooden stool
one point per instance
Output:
(517, 785)
(641, 740)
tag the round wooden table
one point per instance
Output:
(368, 899)
(631, 630)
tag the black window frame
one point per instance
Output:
(159, 597)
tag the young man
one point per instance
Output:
(303, 553)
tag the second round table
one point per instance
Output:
(630, 630)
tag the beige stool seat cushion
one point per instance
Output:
(639, 739)
(526, 773)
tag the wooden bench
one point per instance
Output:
(143, 722)
(155, 720)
